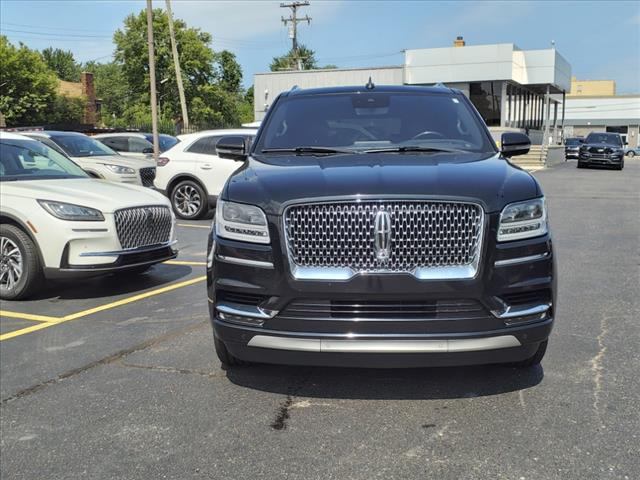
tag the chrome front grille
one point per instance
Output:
(147, 176)
(143, 226)
(424, 238)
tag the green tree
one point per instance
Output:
(196, 58)
(66, 110)
(27, 86)
(289, 60)
(112, 88)
(62, 63)
(228, 71)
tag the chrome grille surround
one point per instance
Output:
(143, 226)
(430, 239)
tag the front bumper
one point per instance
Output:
(603, 160)
(255, 308)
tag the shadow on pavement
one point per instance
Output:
(113, 285)
(386, 384)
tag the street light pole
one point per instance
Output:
(152, 81)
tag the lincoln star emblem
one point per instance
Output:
(382, 235)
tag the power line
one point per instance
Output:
(45, 34)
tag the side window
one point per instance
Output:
(137, 145)
(206, 145)
(49, 143)
(119, 144)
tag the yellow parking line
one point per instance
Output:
(182, 262)
(28, 316)
(22, 331)
(208, 227)
(50, 321)
(135, 298)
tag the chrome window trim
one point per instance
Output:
(461, 272)
(320, 345)
(244, 261)
(515, 261)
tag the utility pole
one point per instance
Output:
(294, 20)
(152, 81)
(176, 63)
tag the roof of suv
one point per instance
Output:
(363, 89)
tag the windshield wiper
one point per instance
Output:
(302, 150)
(413, 148)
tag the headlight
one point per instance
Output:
(523, 220)
(68, 211)
(237, 221)
(119, 169)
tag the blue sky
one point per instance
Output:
(600, 39)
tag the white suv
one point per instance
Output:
(135, 144)
(57, 222)
(97, 159)
(192, 175)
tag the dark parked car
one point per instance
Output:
(572, 147)
(379, 227)
(602, 149)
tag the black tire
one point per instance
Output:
(31, 276)
(535, 359)
(580, 164)
(226, 359)
(631, 154)
(621, 166)
(189, 200)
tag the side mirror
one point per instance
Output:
(232, 148)
(514, 143)
(147, 150)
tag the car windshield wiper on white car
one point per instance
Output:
(413, 148)
(309, 150)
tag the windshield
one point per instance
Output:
(572, 142)
(82, 146)
(166, 141)
(370, 121)
(32, 160)
(607, 138)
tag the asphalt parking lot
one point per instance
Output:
(117, 378)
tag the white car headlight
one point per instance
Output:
(119, 169)
(523, 220)
(237, 221)
(69, 211)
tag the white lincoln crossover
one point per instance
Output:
(58, 222)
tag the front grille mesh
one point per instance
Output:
(423, 234)
(147, 176)
(143, 226)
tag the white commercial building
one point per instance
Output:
(513, 89)
(611, 113)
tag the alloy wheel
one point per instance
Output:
(11, 264)
(187, 200)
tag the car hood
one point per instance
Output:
(117, 160)
(492, 181)
(100, 194)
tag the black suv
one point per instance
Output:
(603, 149)
(379, 227)
(572, 147)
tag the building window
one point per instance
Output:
(486, 97)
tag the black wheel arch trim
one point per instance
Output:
(20, 224)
